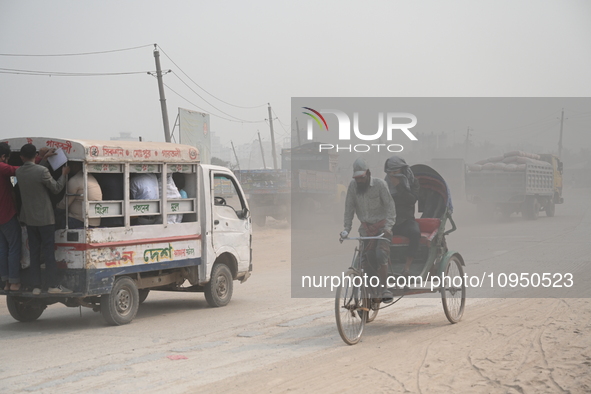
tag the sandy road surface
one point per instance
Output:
(265, 341)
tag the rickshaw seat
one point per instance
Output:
(428, 227)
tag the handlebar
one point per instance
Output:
(378, 237)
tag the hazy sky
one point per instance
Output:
(249, 53)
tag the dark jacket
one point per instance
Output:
(405, 201)
(406, 193)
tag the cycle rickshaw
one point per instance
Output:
(356, 303)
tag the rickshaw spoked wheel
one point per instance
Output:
(351, 307)
(453, 295)
(373, 310)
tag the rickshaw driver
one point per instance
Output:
(370, 199)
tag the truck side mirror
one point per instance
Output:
(560, 166)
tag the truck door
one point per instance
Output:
(230, 219)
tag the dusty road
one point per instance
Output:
(265, 341)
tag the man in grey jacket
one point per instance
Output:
(35, 182)
(370, 199)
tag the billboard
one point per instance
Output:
(195, 131)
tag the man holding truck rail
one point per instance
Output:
(35, 183)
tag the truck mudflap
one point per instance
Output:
(243, 276)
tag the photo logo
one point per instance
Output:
(391, 120)
(315, 118)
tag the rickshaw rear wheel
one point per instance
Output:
(218, 292)
(351, 306)
(453, 297)
(24, 310)
(373, 312)
(121, 305)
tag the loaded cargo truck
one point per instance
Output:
(308, 182)
(516, 182)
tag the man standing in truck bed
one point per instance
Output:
(35, 183)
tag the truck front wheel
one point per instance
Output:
(218, 291)
(121, 305)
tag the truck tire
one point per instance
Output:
(24, 310)
(550, 208)
(532, 207)
(218, 292)
(121, 305)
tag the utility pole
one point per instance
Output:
(272, 139)
(235, 156)
(262, 152)
(162, 98)
(467, 143)
(298, 130)
(560, 140)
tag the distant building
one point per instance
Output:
(124, 137)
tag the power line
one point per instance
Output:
(65, 74)
(200, 87)
(76, 54)
(225, 113)
(217, 116)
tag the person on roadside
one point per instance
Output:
(35, 183)
(369, 198)
(10, 229)
(76, 189)
(404, 189)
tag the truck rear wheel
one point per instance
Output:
(218, 291)
(532, 208)
(121, 305)
(550, 208)
(24, 310)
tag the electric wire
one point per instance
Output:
(217, 116)
(74, 54)
(200, 87)
(201, 97)
(64, 73)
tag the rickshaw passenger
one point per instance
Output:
(370, 199)
(76, 186)
(404, 188)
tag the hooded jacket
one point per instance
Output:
(406, 193)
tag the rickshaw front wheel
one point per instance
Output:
(351, 307)
(453, 290)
